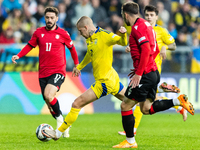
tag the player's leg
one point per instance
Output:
(87, 97)
(128, 122)
(178, 109)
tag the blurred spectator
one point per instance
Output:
(194, 3)
(40, 12)
(105, 4)
(27, 35)
(172, 30)
(163, 16)
(116, 22)
(195, 15)
(6, 37)
(182, 17)
(11, 4)
(99, 17)
(3, 10)
(62, 14)
(142, 4)
(17, 36)
(52, 3)
(28, 19)
(114, 8)
(14, 19)
(70, 12)
(43, 2)
(83, 8)
(196, 33)
(181, 39)
(32, 6)
(195, 64)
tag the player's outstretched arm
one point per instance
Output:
(14, 58)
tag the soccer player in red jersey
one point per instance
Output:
(52, 59)
(143, 84)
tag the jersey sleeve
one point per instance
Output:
(86, 60)
(166, 37)
(68, 41)
(113, 39)
(140, 37)
(33, 42)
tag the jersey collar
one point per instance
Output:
(97, 29)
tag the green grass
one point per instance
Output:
(99, 132)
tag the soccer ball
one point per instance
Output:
(39, 134)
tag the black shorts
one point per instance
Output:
(55, 79)
(146, 89)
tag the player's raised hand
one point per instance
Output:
(76, 72)
(128, 49)
(14, 57)
(122, 30)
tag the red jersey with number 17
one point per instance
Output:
(141, 33)
(52, 57)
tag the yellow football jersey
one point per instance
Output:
(100, 53)
(163, 38)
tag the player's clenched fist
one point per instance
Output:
(122, 30)
(15, 57)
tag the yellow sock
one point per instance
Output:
(138, 116)
(69, 119)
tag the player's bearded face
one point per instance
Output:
(125, 20)
(50, 19)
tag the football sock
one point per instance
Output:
(69, 119)
(160, 105)
(58, 133)
(179, 108)
(138, 116)
(176, 102)
(131, 140)
(128, 122)
(56, 108)
(159, 90)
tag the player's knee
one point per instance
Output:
(77, 103)
(145, 111)
(48, 97)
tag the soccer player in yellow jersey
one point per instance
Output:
(165, 42)
(100, 53)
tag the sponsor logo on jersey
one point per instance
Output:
(57, 36)
(42, 35)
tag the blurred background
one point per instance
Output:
(20, 18)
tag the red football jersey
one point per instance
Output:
(142, 32)
(52, 58)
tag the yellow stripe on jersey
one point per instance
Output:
(100, 53)
(163, 38)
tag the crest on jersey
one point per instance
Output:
(42, 35)
(57, 36)
(136, 27)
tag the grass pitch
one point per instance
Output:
(99, 132)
